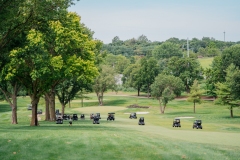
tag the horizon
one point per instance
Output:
(160, 20)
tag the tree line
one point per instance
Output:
(46, 52)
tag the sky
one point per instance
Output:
(160, 20)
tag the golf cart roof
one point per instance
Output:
(111, 113)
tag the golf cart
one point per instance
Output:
(39, 111)
(57, 111)
(141, 121)
(82, 116)
(98, 114)
(111, 116)
(66, 117)
(133, 115)
(96, 119)
(75, 117)
(29, 107)
(176, 122)
(91, 115)
(59, 119)
(197, 124)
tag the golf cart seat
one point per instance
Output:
(59, 119)
(75, 117)
(98, 114)
(96, 120)
(197, 124)
(111, 116)
(39, 111)
(176, 122)
(133, 115)
(66, 117)
(141, 121)
(82, 116)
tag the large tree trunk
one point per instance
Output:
(34, 120)
(161, 107)
(231, 112)
(52, 105)
(14, 109)
(138, 91)
(63, 107)
(47, 113)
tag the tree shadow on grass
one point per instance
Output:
(58, 127)
(117, 102)
(5, 108)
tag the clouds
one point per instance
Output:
(160, 20)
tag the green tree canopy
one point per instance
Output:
(195, 94)
(167, 50)
(165, 88)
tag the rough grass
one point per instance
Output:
(123, 138)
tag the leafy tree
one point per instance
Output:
(195, 94)
(227, 94)
(118, 62)
(107, 79)
(187, 69)
(165, 88)
(148, 71)
(132, 77)
(167, 50)
(68, 89)
(43, 64)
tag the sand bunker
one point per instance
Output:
(184, 117)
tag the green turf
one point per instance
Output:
(206, 62)
(122, 138)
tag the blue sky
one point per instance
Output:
(160, 20)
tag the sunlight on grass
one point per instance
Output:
(122, 138)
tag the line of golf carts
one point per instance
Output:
(96, 119)
(196, 124)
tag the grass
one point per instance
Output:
(122, 138)
(206, 62)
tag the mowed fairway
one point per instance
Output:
(123, 138)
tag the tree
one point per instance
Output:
(43, 64)
(148, 71)
(195, 94)
(132, 77)
(187, 69)
(67, 90)
(118, 62)
(227, 94)
(10, 90)
(165, 88)
(106, 80)
(167, 50)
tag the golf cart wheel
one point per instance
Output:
(93, 122)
